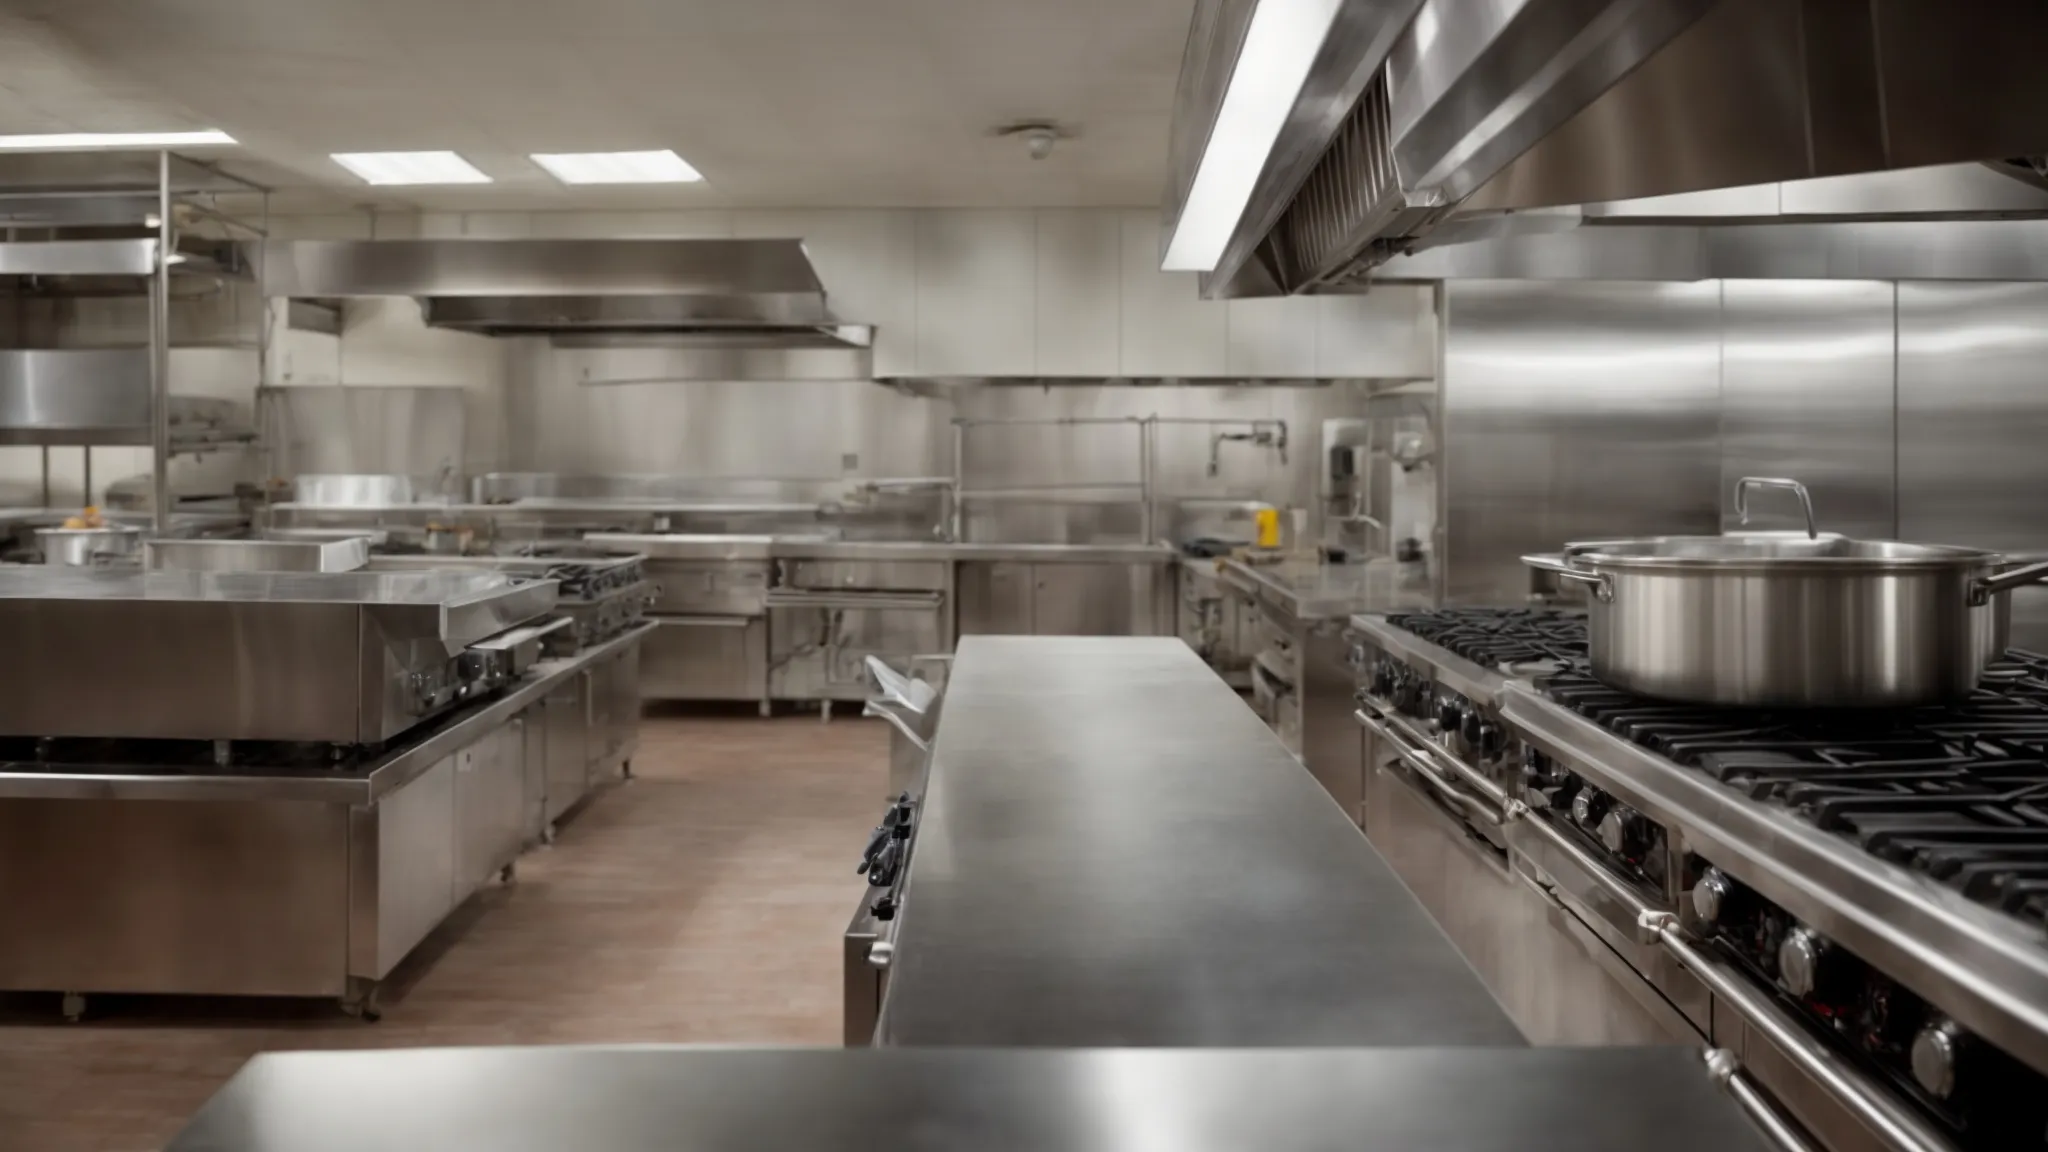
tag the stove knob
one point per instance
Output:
(1712, 895)
(1491, 739)
(1450, 714)
(1620, 829)
(1800, 956)
(1935, 1051)
(1589, 807)
(1481, 734)
(1407, 695)
(1383, 678)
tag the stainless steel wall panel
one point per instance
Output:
(1973, 411)
(817, 429)
(417, 432)
(74, 396)
(1574, 412)
(1807, 391)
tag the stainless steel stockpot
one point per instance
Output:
(1788, 619)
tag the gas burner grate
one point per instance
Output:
(1957, 791)
(1501, 637)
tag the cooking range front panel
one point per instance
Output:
(1881, 878)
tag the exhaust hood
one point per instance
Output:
(1417, 115)
(728, 296)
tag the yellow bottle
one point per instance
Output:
(1267, 523)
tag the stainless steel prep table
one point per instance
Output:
(1115, 851)
(287, 879)
(674, 1099)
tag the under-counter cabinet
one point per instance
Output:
(826, 617)
(299, 889)
(1066, 599)
(568, 725)
(706, 658)
(490, 806)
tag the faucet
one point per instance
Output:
(1263, 433)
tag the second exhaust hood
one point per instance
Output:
(723, 295)
(1413, 113)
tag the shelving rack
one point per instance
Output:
(82, 225)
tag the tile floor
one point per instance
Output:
(700, 903)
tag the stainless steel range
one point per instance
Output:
(1848, 908)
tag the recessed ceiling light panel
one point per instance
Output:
(659, 167)
(411, 167)
(79, 141)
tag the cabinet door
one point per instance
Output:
(1168, 329)
(1085, 600)
(567, 763)
(625, 709)
(1079, 317)
(995, 599)
(597, 716)
(490, 802)
(976, 287)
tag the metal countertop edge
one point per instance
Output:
(403, 766)
(655, 550)
(1255, 581)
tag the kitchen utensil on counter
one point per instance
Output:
(1809, 620)
(1266, 523)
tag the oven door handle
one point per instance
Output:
(1784, 1132)
(1873, 1106)
(1521, 816)
(1422, 764)
(1399, 732)
(1447, 766)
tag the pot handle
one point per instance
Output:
(1743, 486)
(1558, 565)
(1983, 590)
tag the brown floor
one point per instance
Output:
(700, 903)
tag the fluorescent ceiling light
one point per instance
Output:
(59, 141)
(1279, 47)
(411, 167)
(662, 167)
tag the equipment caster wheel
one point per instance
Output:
(74, 1007)
(363, 1006)
(547, 836)
(626, 770)
(509, 874)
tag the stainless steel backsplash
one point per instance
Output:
(1576, 411)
